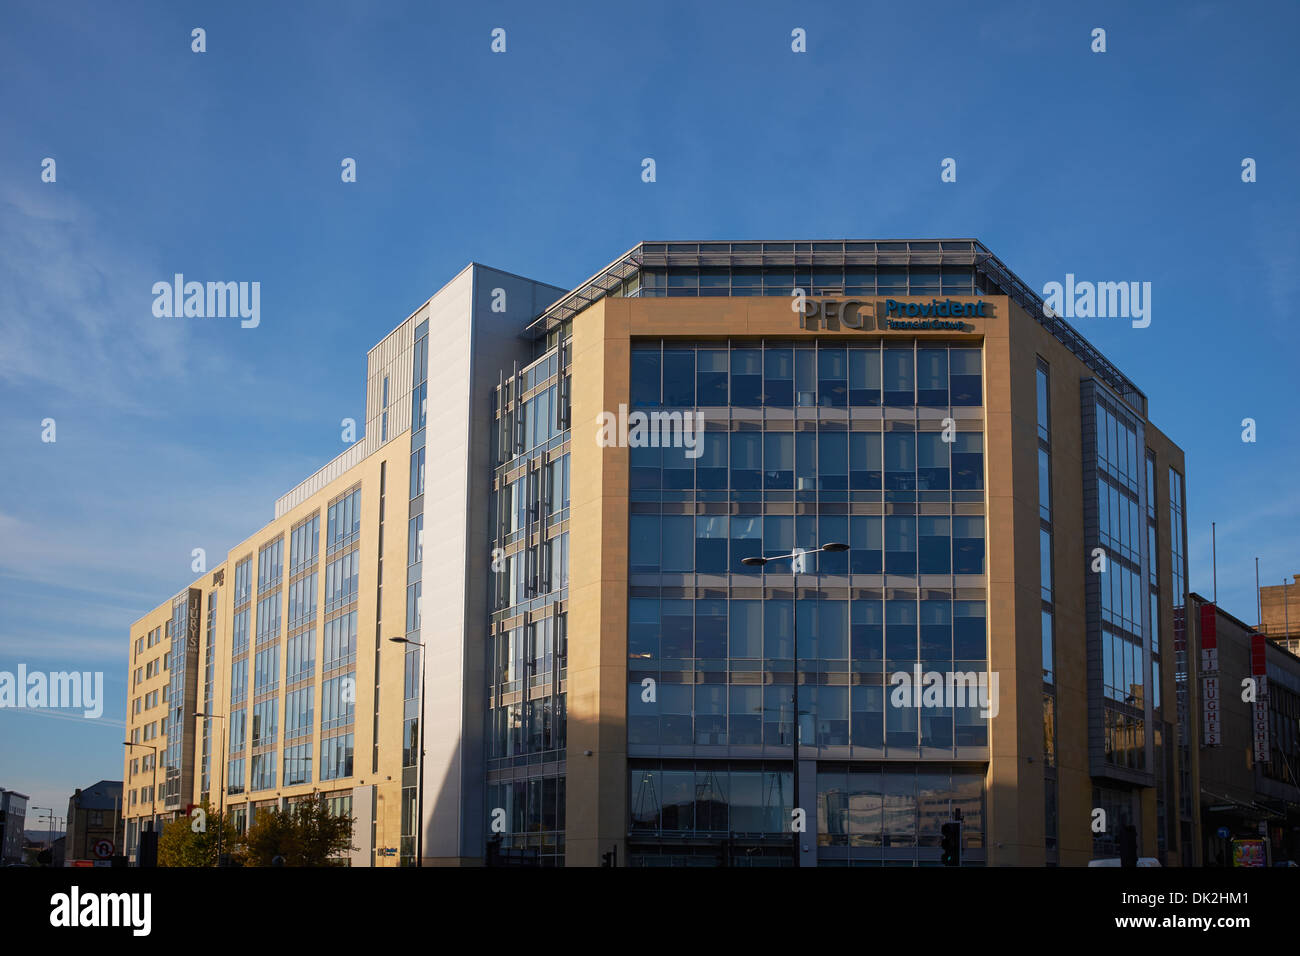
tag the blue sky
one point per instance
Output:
(177, 434)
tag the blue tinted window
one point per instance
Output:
(932, 461)
(900, 544)
(747, 377)
(833, 528)
(644, 465)
(778, 535)
(833, 460)
(676, 643)
(746, 461)
(900, 461)
(678, 543)
(679, 378)
(711, 377)
(778, 460)
(866, 466)
(643, 628)
(805, 377)
(778, 630)
(967, 544)
(711, 629)
(936, 631)
(746, 630)
(969, 641)
(900, 630)
(832, 378)
(643, 542)
(965, 377)
(932, 377)
(968, 461)
(865, 548)
(864, 376)
(645, 377)
(898, 376)
(711, 543)
(867, 631)
(778, 381)
(711, 466)
(934, 544)
(746, 542)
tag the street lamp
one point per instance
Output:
(221, 792)
(796, 565)
(49, 826)
(153, 802)
(419, 809)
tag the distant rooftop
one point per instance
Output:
(104, 795)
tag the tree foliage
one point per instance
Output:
(180, 845)
(306, 834)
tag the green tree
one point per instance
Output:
(306, 834)
(180, 844)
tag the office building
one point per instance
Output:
(595, 674)
(13, 817)
(1279, 614)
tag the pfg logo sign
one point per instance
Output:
(832, 314)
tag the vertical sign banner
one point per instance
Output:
(1210, 703)
(1181, 673)
(1258, 670)
(192, 622)
(1209, 639)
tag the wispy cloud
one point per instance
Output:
(75, 309)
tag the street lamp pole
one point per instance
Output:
(419, 809)
(49, 827)
(796, 560)
(153, 795)
(221, 792)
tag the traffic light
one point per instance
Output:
(951, 843)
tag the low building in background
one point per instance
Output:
(1279, 613)
(94, 822)
(13, 817)
(1247, 692)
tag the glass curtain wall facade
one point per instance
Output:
(527, 648)
(413, 662)
(1047, 564)
(1122, 734)
(805, 442)
(180, 695)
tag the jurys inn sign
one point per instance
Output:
(889, 313)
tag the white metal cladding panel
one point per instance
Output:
(349, 459)
(399, 387)
(392, 356)
(443, 624)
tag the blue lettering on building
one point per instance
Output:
(944, 309)
(925, 324)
